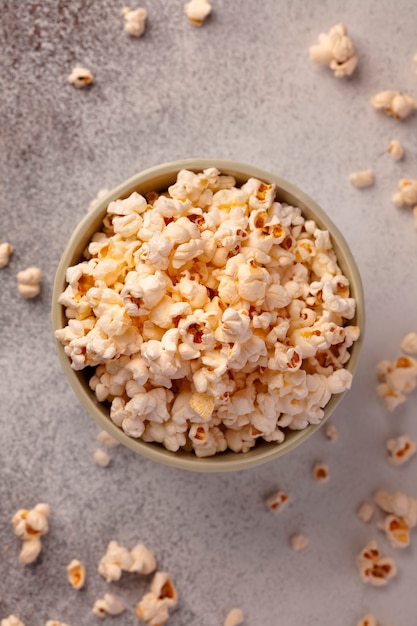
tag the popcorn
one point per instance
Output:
(407, 194)
(396, 150)
(135, 21)
(5, 251)
(364, 178)
(298, 542)
(76, 574)
(115, 560)
(394, 103)
(321, 472)
(30, 526)
(397, 379)
(109, 605)
(107, 440)
(367, 620)
(101, 457)
(143, 560)
(399, 504)
(80, 77)
(331, 432)
(155, 606)
(277, 501)
(373, 568)
(400, 449)
(336, 50)
(12, 620)
(365, 512)
(197, 11)
(409, 343)
(29, 282)
(234, 617)
(396, 530)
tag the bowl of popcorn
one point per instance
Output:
(208, 314)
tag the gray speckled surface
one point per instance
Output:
(240, 87)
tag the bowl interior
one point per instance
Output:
(158, 179)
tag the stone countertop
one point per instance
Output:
(241, 87)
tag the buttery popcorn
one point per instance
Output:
(373, 568)
(197, 11)
(109, 605)
(30, 526)
(400, 449)
(277, 501)
(101, 457)
(365, 512)
(409, 343)
(213, 317)
(135, 21)
(298, 542)
(394, 103)
(29, 282)
(234, 617)
(396, 150)
(363, 178)
(76, 574)
(406, 194)
(5, 251)
(336, 50)
(321, 472)
(155, 606)
(80, 77)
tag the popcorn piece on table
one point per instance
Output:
(373, 568)
(116, 559)
(321, 472)
(107, 440)
(143, 560)
(396, 150)
(80, 77)
(109, 605)
(155, 606)
(336, 50)
(100, 194)
(30, 525)
(101, 457)
(407, 193)
(394, 103)
(396, 530)
(397, 379)
(399, 504)
(29, 282)
(234, 617)
(5, 251)
(277, 501)
(12, 620)
(409, 343)
(197, 11)
(367, 620)
(362, 179)
(135, 21)
(76, 574)
(365, 512)
(331, 432)
(400, 449)
(298, 542)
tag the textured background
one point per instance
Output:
(240, 87)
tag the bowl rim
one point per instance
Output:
(227, 461)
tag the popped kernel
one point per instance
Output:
(397, 379)
(365, 512)
(197, 11)
(135, 21)
(12, 620)
(277, 501)
(115, 560)
(363, 178)
(143, 560)
(406, 194)
(373, 568)
(396, 150)
(109, 605)
(80, 77)
(234, 617)
(400, 449)
(409, 343)
(101, 457)
(30, 526)
(76, 574)
(394, 103)
(29, 282)
(154, 607)
(336, 50)
(298, 542)
(396, 530)
(399, 504)
(5, 251)
(321, 472)
(331, 432)
(367, 620)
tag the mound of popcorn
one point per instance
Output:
(213, 315)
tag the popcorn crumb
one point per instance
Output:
(100, 194)
(331, 432)
(101, 457)
(367, 620)
(406, 194)
(135, 21)
(365, 512)
(336, 50)
(321, 472)
(80, 77)
(400, 449)
(197, 11)
(394, 103)
(298, 542)
(12, 620)
(76, 574)
(107, 440)
(373, 568)
(409, 343)
(396, 150)
(277, 501)
(234, 617)
(5, 251)
(29, 282)
(361, 179)
(109, 605)
(30, 526)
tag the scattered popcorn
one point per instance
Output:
(155, 606)
(364, 178)
(277, 501)
(100, 194)
(76, 574)
(234, 617)
(30, 525)
(373, 568)
(336, 50)
(116, 560)
(298, 542)
(396, 150)
(407, 194)
(365, 512)
(399, 504)
(397, 379)
(135, 21)
(409, 343)
(109, 605)
(331, 432)
(143, 560)
(29, 282)
(12, 620)
(197, 11)
(367, 620)
(214, 317)
(394, 103)
(321, 472)
(107, 440)
(400, 449)
(5, 251)
(101, 457)
(80, 77)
